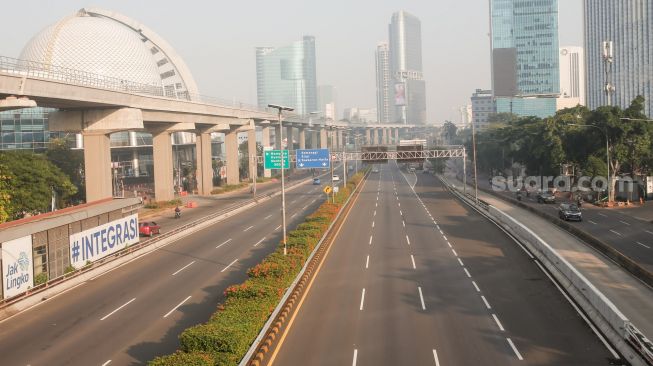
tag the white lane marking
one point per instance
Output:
(461, 262)
(376, 204)
(305, 207)
(259, 242)
(374, 212)
(377, 198)
(278, 227)
(591, 222)
(399, 204)
(476, 286)
(612, 231)
(600, 214)
(230, 264)
(401, 213)
(512, 345)
(644, 245)
(413, 260)
(649, 232)
(176, 307)
(407, 240)
(248, 229)
(293, 201)
(183, 268)
(435, 357)
(498, 322)
(353, 362)
(362, 299)
(370, 240)
(582, 315)
(441, 232)
(120, 307)
(487, 304)
(454, 252)
(403, 222)
(623, 222)
(223, 243)
(450, 246)
(445, 238)
(293, 215)
(106, 363)
(367, 262)
(421, 297)
(467, 272)
(314, 199)
(267, 217)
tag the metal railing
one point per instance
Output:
(40, 70)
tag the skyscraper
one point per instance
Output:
(629, 26)
(572, 77)
(383, 83)
(525, 62)
(409, 104)
(326, 102)
(286, 76)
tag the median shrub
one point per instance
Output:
(230, 331)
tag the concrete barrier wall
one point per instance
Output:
(601, 311)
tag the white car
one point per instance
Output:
(335, 178)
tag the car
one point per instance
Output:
(375, 170)
(411, 170)
(570, 211)
(335, 178)
(148, 228)
(316, 181)
(545, 197)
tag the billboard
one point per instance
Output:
(400, 94)
(101, 241)
(17, 266)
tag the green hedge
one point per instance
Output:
(230, 331)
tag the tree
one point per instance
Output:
(243, 168)
(34, 179)
(71, 163)
(449, 132)
(5, 193)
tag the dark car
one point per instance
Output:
(316, 181)
(148, 228)
(546, 197)
(570, 211)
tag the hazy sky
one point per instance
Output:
(217, 40)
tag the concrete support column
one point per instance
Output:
(251, 151)
(97, 166)
(323, 138)
(289, 138)
(204, 172)
(396, 136)
(136, 164)
(377, 138)
(163, 173)
(266, 143)
(314, 138)
(385, 136)
(277, 137)
(341, 141)
(231, 144)
(302, 138)
(334, 140)
(368, 136)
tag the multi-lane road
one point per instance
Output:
(416, 278)
(135, 312)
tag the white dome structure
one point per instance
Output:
(111, 45)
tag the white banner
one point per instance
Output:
(17, 266)
(103, 240)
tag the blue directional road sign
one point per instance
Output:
(313, 158)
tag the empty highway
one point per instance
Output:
(135, 312)
(417, 278)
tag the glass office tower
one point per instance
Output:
(286, 76)
(408, 89)
(525, 61)
(629, 26)
(383, 83)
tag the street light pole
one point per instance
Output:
(344, 160)
(283, 184)
(474, 151)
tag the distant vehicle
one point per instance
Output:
(411, 170)
(351, 167)
(546, 197)
(570, 211)
(316, 181)
(375, 170)
(335, 178)
(148, 228)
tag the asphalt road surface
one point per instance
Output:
(135, 312)
(425, 280)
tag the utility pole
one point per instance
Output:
(608, 58)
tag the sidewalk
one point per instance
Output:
(633, 298)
